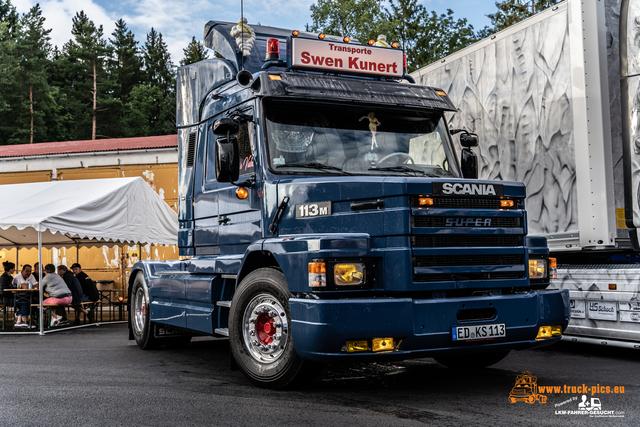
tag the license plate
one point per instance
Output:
(479, 332)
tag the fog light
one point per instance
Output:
(317, 274)
(355, 346)
(548, 332)
(537, 268)
(348, 274)
(382, 344)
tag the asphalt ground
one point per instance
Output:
(94, 376)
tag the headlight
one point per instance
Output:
(537, 269)
(349, 274)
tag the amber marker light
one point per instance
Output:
(395, 45)
(346, 39)
(425, 201)
(274, 77)
(321, 36)
(371, 42)
(506, 203)
(295, 33)
(242, 193)
(317, 274)
(441, 93)
(613, 286)
(120, 299)
(357, 345)
(553, 268)
(382, 344)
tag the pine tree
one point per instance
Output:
(9, 70)
(125, 70)
(36, 94)
(194, 52)
(159, 113)
(89, 52)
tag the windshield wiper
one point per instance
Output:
(401, 168)
(314, 165)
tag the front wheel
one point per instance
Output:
(141, 325)
(260, 332)
(475, 361)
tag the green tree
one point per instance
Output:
(153, 108)
(194, 52)
(37, 99)
(513, 11)
(89, 52)
(354, 18)
(9, 70)
(125, 71)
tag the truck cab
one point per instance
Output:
(325, 216)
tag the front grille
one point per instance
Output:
(467, 260)
(464, 203)
(422, 278)
(437, 241)
(461, 221)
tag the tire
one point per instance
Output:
(260, 332)
(141, 326)
(475, 361)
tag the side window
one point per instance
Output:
(246, 157)
(245, 153)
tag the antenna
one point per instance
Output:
(242, 32)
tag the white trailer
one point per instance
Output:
(555, 101)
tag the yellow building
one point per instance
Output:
(153, 158)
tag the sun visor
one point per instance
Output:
(311, 86)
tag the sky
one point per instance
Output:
(180, 20)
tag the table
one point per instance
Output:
(106, 297)
(25, 298)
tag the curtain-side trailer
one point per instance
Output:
(555, 100)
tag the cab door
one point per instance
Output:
(239, 217)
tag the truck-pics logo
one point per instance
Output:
(526, 390)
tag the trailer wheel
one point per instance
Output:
(475, 361)
(260, 332)
(141, 326)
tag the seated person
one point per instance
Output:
(22, 281)
(6, 281)
(76, 291)
(58, 292)
(89, 288)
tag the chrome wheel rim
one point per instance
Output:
(265, 328)
(140, 310)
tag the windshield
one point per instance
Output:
(356, 140)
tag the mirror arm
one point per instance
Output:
(249, 182)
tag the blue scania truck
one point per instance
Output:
(326, 215)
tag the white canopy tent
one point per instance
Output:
(92, 212)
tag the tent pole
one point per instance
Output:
(40, 291)
(17, 257)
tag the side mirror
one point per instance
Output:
(469, 163)
(469, 140)
(226, 126)
(227, 159)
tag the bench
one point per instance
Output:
(46, 310)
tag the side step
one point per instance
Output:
(223, 304)
(222, 331)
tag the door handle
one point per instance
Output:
(223, 220)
